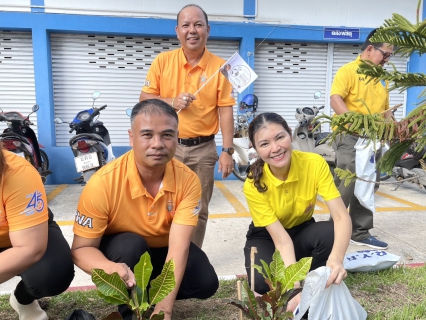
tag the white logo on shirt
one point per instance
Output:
(83, 221)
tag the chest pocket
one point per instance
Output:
(305, 207)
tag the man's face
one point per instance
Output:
(154, 139)
(192, 29)
(380, 55)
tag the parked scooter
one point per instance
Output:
(91, 145)
(244, 154)
(20, 138)
(306, 139)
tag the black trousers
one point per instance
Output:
(199, 281)
(310, 239)
(52, 274)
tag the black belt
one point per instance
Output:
(195, 141)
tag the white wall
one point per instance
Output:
(15, 5)
(159, 8)
(348, 13)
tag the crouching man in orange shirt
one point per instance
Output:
(145, 201)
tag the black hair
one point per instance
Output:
(256, 169)
(153, 106)
(367, 41)
(193, 5)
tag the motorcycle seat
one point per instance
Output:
(320, 137)
(92, 136)
(13, 136)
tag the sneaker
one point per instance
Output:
(371, 242)
(31, 311)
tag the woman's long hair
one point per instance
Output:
(256, 169)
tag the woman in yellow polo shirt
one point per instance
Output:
(281, 192)
(31, 243)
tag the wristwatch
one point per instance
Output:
(229, 150)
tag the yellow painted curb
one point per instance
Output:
(55, 192)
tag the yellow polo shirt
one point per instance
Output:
(24, 202)
(292, 201)
(351, 87)
(115, 200)
(170, 74)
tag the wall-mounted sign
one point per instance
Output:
(341, 33)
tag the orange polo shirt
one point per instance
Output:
(170, 74)
(115, 200)
(24, 202)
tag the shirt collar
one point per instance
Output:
(203, 61)
(137, 188)
(293, 174)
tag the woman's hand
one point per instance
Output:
(338, 273)
(293, 303)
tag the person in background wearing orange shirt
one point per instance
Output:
(145, 201)
(31, 243)
(174, 77)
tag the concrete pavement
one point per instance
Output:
(400, 221)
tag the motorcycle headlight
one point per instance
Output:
(84, 116)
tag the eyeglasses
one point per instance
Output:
(386, 55)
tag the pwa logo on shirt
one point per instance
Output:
(36, 203)
(146, 83)
(83, 221)
(197, 208)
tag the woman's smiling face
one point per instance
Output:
(273, 145)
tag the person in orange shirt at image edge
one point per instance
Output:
(174, 77)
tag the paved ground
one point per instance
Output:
(400, 221)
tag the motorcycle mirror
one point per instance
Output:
(129, 112)
(35, 108)
(96, 95)
(317, 95)
(58, 120)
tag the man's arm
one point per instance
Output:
(28, 247)
(87, 256)
(338, 105)
(181, 101)
(227, 128)
(179, 241)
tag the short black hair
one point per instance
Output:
(193, 5)
(367, 41)
(153, 106)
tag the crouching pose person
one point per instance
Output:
(31, 243)
(145, 201)
(281, 192)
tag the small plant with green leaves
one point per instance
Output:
(280, 279)
(112, 288)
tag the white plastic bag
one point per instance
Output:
(365, 162)
(332, 303)
(369, 260)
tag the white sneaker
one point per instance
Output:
(31, 311)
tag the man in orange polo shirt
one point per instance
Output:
(174, 77)
(145, 201)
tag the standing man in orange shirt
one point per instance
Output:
(145, 201)
(174, 77)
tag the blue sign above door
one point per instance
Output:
(341, 33)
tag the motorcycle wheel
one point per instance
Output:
(44, 161)
(240, 173)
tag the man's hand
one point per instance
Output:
(338, 273)
(162, 307)
(226, 164)
(183, 100)
(125, 274)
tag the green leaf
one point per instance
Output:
(260, 270)
(250, 300)
(163, 284)
(277, 267)
(143, 271)
(295, 272)
(111, 287)
(267, 270)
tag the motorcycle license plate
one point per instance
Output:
(86, 162)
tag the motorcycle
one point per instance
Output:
(91, 145)
(244, 154)
(20, 139)
(305, 138)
